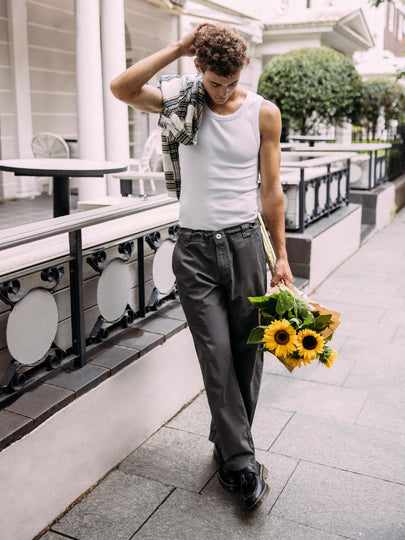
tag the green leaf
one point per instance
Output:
(321, 322)
(301, 306)
(256, 335)
(309, 320)
(267, 318)
(262, 302)
(285, 302)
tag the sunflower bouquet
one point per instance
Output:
(290, 329)
(291, 325)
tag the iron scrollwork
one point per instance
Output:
(11, 292)
(99, 261)
(155, 241)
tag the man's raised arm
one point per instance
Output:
(131, 86)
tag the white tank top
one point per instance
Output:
(219, 173)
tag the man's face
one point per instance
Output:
(219, 89)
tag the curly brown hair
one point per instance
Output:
(220, 49)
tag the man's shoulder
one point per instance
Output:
(269, 109)
(270, 121)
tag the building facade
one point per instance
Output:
(57, 58)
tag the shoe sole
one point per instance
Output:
(263, 473)
(258, 502)
(228, 487)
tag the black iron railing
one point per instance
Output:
(68, 273)
(319, 194)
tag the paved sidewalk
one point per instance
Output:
(333, 440)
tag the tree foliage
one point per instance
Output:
(312, 86)
(382, 97)
(376, 3)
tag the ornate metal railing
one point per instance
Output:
(369, 166)
(314, 185)
(52, 311)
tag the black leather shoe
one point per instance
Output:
(230, 480)
(253, 488)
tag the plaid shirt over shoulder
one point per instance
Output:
(180, 118)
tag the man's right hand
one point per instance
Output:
(187, 42)
(132, 86)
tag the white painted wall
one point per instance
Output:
(334, 246)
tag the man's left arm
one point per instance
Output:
(271, 191)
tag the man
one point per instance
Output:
(227, 136)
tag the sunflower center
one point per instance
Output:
(309, 343)
(282, 337)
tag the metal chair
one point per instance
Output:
(150, 161)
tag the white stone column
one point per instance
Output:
(343, 134)
(114, 62)
(17, 28)
(90, 114)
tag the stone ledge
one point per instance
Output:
(377, 204)
(399, 184)
(324, 245)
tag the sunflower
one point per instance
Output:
(280, 338)
(328, 357)
(309, 344)
(296, 361)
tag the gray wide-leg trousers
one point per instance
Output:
(216, 271)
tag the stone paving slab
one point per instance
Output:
(175, 458)
(267, 425)
(353, 448)
(384, 411)
(50, 535)
(195, 418)
(379, 331)
(188, 515)
(112, 357)
(115, 509)
(312, 398)
(40, 402)
(343, 503)
(394, 316)
(378, 366)
(13, 426)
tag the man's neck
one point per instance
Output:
(232, 105)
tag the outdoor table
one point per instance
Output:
(61, 170)
(311, 139)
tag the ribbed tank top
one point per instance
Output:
(219, 173)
